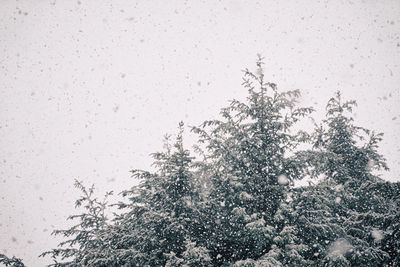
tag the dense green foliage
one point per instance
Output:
(238, 205)
(247, 151)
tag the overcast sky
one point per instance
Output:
(88, 88)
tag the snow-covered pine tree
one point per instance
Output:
(249, 165)
(157, 223)
(347, 157)
(85, 244)
(349, 162)
(245, 212)
(342, 220)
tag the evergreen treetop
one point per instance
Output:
(238, 206)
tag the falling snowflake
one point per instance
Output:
(371, 164)
(283, 180)
(339, 248)
(377, 235)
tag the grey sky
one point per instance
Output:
(88, 88)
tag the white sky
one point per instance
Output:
(88, 89)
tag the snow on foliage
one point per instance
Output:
(377, 235)
(283, 180)
(237, 206)
(339, 248)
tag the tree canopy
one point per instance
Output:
(237, 203)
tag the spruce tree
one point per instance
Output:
(351, 157)
(158, 222)
(341, 220)
(347, 157)
(155, 226)
(238, 206)
(85, 244)
(249, 166)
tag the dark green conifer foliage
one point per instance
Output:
(341, 220)
(351, 157)
(85, 241)
(338, 140)
(161, 218)
(12, 262)
(238, 207)
(248, 150)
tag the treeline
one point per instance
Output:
(236, 204)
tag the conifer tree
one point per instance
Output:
(85, 244)
(350, 162)
(238, 207)
(345, 160)
(335, 221)
(160, 217)
(248, 151)
(155, 226)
